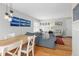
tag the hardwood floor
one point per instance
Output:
(60, 50)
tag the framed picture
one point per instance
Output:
(20, 22)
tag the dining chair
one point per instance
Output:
(17, 46)
(30, 46)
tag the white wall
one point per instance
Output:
(5, 27)
(75, 31)
(36, 26)
(67, 26)
(75, 38)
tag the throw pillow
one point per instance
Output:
(59, 40)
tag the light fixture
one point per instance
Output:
(11, 11)
(8, 15)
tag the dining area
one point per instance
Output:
(16, 44)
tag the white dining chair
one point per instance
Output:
(30, 46)
(17, 46)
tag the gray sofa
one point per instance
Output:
(40, 40)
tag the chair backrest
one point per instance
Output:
(31, 42)
(17, 45)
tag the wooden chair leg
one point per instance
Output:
(32, 52)
(27, 54)
(3, 53)
(19, 53)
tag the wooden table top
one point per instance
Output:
(13, 39)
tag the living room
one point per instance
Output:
(49, 17)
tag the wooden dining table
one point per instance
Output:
(7, 42)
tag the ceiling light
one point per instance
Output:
(11, 11)
(6, 17)
(6, 14)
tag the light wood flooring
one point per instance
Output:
(60, 50)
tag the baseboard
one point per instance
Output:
(67, 37)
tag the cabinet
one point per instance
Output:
(55, 26)
(47, 25)
(58, 28)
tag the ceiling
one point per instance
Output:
(45, 10)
